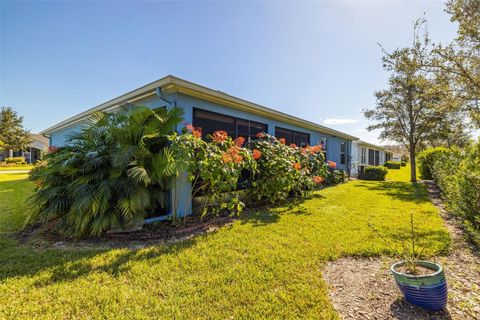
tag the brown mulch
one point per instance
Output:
(365, 289)
(42, 236)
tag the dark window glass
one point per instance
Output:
(388, 156)
(371, 157)
(285, 134)
(377, 157)
(212, 121)
(342, 153)
(249, 129)
(301, 139)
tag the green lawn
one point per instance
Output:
(402, 174)
(266, 265)
(25, 167)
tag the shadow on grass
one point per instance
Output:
(268, 215)
(404, 191)
(65, 265)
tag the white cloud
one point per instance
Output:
(339, 121)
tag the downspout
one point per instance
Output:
(159, 94)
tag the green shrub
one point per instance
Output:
(374, 173)
(468, 201)
(15, 161)
(426, 158)
(403, 163)
(392, 164)
(457, 173)
(111, 174)
(336, 176)
(285, 170)
(214, 168)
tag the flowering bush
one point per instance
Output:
(213, 167)
(283, 170)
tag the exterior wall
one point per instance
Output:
(357, 156)
(182, 188)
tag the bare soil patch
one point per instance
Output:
(365, 289)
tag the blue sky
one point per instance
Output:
(316, 60)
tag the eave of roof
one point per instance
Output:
(170, 84)
(371, 145)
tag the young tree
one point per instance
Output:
(12, 133)
(408, 111)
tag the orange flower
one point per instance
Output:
(197, 132)
(282, 140)
(219, 136)
(239, 141)
(234, 150)
(293, 145)
(297, 166)
(260, 135)
(317, 179)
(257, 154)
(316, 149)
(237, 158)
(304, 150)
(226, 158)
(52, 149)
(331, 164)
(190, 127)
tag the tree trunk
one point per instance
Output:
(413, 164)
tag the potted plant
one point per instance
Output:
(422, 282)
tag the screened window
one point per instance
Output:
(363, 158)
(371, 157)
(342, 153)
(388, 157)
(301, 139)
(235, 127)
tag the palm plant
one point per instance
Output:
(110, 174)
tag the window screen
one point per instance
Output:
(301, 139)
(342, 153)
(235, 127)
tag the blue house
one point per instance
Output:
(215, 110)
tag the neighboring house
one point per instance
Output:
(366, 154)
(396, 156)
(38, 145)
(215, 110)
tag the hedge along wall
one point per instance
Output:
(457, 174)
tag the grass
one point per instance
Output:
(402, 174)
(24, 167)
(266, 265)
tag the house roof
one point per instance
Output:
(371, 145)
(170, 84)
(38, 137)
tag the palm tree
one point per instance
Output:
(111, 173)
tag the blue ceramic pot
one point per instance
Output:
(425, 291)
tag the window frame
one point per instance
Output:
(294, 134)
(235, 123)
(363, 155)
(343, 152)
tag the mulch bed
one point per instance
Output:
(365, 289)
(166, 230)
(155, 233)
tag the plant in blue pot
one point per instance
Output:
(422, 282)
